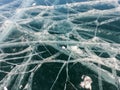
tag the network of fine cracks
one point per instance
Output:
(78, 30)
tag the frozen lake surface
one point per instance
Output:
(59, 45)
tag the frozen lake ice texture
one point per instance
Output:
(59, 45)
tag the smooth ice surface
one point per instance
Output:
(59, 44)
